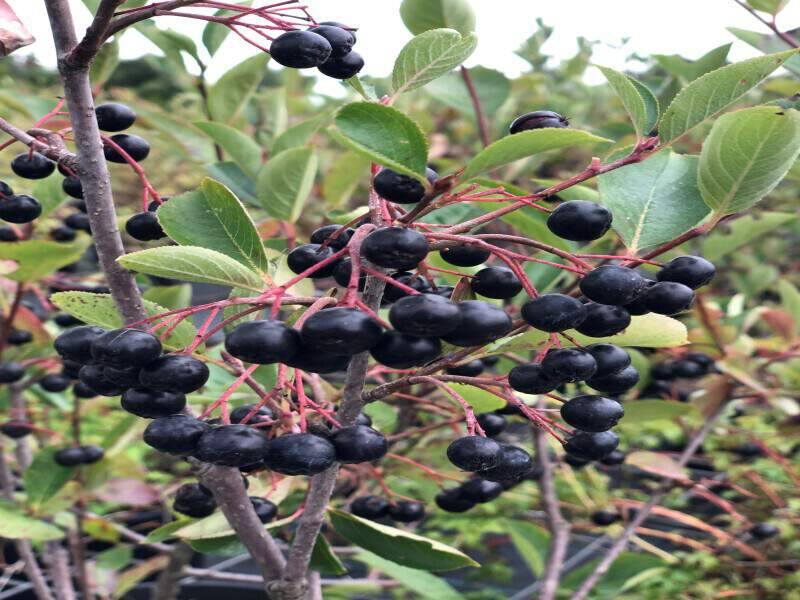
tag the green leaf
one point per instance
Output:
(127, 580)
(192, 263)
(492, 88)
(767, 43)
(345, 173)
(712, 93)
(183, 135)
(628, 566)
(384, 135)
(746, 155)
(657, 463)
(402, 547)
(422, 15)
(574, 192)
(688, 70)
(740, 232)
(231, 175)
(105, 63)
(645, 411)
(646, 331)
(18, 526)
(212, 217)
(790, 301)
(37, 258)
(525, 144)
(655, 200)
(772, 7)
(170, 42)
(238, 145)
(170, 297)
(49, 193)
(215, 33)
(229, 95)
(45, 478)
(430, 55)
(167, 531)
(480, 400)
(324, 560)
(643, 109)
(299, 134)
(422, 583)
(100, 310)
(531, 541)
(285, 183)
(115, 558)
(273, 114)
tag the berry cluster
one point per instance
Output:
(327, 46)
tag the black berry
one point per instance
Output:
(20, 209)
(266, 511)
(474, 453)
(532, 379)
(9, 234)
(615, 383)
(464, 255)
(341, 330)
(370, 507)
(591, 446)
(314, 361)
(175, 434)
(400, 351)
(579, 220)
(554, 312)
(300, 49)
(152, 404)
(609, 358)
(306, 256)
(569, 364)
(54, 382)
(537, 120)
(479, 490)
(79, 221)
(15, 429)
(687, 369)
(592, 413)
(72, 187)
(395, 248)
(481, 323)
(263, 414)
(416, 282)
(175, 373)
(342, 67)
(134, 146)
(263, 342)
(496, 282)
(692, 271)
(125, 348)
(425, 315)
(611, 284)
(405, 511)
(340, 39)
(300, 454)
(763, 531)
(232, 446)
(114, 116)
(471, 368)
(94, 377)
(492, 423)
(513, 463)
(668, 297)
(603, 320)
(62, 233)
(69, 457)
(604, 518)
(358, 443)
(401, 189)
(76, 344)
(326, 233)
(144, 226)
(617, 457)
(194, 500)
(343, 272)
(32, 165)
(452, 501)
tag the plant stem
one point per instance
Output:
(480, 117)
(771, 24)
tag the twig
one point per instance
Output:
(57, 561)
(771, 24)
(168, 583)
(480, 117)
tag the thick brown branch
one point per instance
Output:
(82, 55)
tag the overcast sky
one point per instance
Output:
(686, 27)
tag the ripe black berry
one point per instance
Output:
(474, 453)
(704, 360)
(8, 234)
(5, 190)
(306, 256)
(603, 320)
(687, 369)
(175, 373)
(300, 454)
(692, 271)
(300, 49)
(341, 26)
(144, 226)
(194, 500)
(370, 507)
(19, 337)
(175, 434)
(69, 457)
(266, 511)
(668, 297)
(232, 446)
(20, 209)
(326, 233)
(617, 457)
(425, 315)
(134, 146)
(605, 517)
(395, 248)
(62, 233)
(471, 368)
(79, 221)
(537, 120)
(575, 462)
(569, 364)
(609, 358)
(615, 383)
(479, 490)
(314, 361)
(401, 189)
(76, 343)
(114, 116)
(343, 67)
(531, 379)
(405, 511)
(125, 348)
(32, 166)
(481, 323)
(94, 377)
(464, 255)
(554, 312)
(592, 413)
(152, 404)
(263, 342)
(762, 531)
(81, 390)
(492, 423)
(72, 187)
(591, 446)
(340, 39)
(343, 272)
(263, 414)
(15, 429)
(54, 382)
(513, 463)
(358, 443)
(417, 282)
(400, 351)
(611, 284)
(452, 501)
(496, 282)
(92, 454)
(579, 220)
(341, 330)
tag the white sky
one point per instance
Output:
(686, 27)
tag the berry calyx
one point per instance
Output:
(592, 413)
(538, 119)
(401, 189)
(358, 443)
(579, 220)
(113, 116)
(395, 248)
(263, 342)
(474, 453)
(340, 330)
(300, 454)
(554, 312)
(300, 49)
(496, 282)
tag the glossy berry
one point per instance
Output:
(72, 187)
(263, 342)
(125, 348)
(474, 453)
(8, 234)
(370, 507)
(481, 323)
(326, 233)
(537, 120)
(668, 298)
(464, 255)
(400, 351)
(496, 282)
(340, 39)
(175, 434)
(358, 443)
(704, 360)
(512, 464)
(81, 390)
(575, 462)
(313, 361)
(592, 413)
(617, 457)
(32, 166)
(471, 368)
(569, 364)
(263, 414)
(300, 454)
(401, 189)
(19, 337)
(611, 284)
(54, 382)
(144, 226)
(344, 270)
(300, 49)
(175, 373)
(609, 358)
(5, 190)
(604, 518)
(479, 490)
(79, 221)
(351, 30)
(341, 330)
(452, 501)
(307, 255)
(425, 315)
(531, 379)
(69, 457)
(603, 320)
(692, 271)
(114, 116)
(232, 446)
(134, 146)
(554, 312)
(20, 209)
(591, 446)
(763, 531)
(405, 511)
(15, 429)
(395, 248)
(266, 511)
(579, 220)
(615, 383)
(92, 454)
(194, 500)
(492, 423)
(76, 343)
(62, 233)
(151, 404)
(94, 377)
(342, 67)
(687, 369)
(416, 282)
